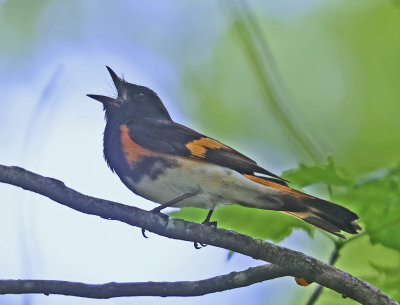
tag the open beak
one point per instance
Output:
(105, 99)
(102, 99)
(117, 81)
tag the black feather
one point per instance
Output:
(166, 136)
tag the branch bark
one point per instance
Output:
(294, 263)
(332, 260)
(162, 289)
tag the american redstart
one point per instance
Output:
(171, 164)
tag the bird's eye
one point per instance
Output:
(140, 97)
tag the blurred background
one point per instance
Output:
(307, 88)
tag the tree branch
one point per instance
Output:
(332, 260)
(294, 263)
(162, 289)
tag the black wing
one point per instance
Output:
(172, 138)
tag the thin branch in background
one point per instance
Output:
(264, 68)
(111, 290)
(332, 260)
(338, 245)
(282, 100)
(294, 263)
(33, 141)
(42, 114)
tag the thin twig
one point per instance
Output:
(111, 290)
(264, 68)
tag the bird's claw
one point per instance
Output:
(199, 245)
(155, 211)
(144, 233)
(210, 223)
(207, 223)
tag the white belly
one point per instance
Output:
(213, 184)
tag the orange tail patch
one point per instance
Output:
(277, 186)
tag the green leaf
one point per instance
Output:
(230, 255)
(377, 201)
(306, 175)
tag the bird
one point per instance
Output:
(174, 165)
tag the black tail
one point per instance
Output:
(328, 216)
(323, 214)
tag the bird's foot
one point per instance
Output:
(157, 211)
(206, 222)
(209, 223)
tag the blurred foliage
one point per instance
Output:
(329, 78)
(336, 76)
(307, 175)
(21, 23)
(377, 202)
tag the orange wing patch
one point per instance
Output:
(132, 151)
(276, 186)
(198, 148)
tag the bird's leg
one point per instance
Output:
(207, 220)
(172, 202)
(208, 223)
(168, 204)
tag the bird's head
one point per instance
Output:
(133, 101)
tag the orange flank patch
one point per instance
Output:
(198, 148)
(276, 186)
(133, 152)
